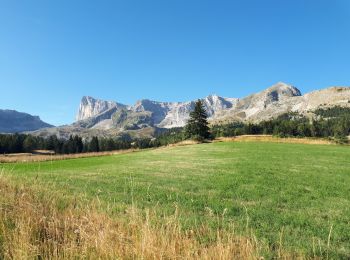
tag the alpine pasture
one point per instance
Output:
(211, 200)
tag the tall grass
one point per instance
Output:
(36, 222)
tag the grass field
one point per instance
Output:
(294, 197)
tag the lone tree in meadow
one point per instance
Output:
(197, 126)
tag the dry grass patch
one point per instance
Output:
(28, 157)
(275, 139)
(37, 223)
(185, 142)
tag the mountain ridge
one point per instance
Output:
(12, 121)
(110, 118)
(175, 114)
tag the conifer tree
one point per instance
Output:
(197, 126)
(94, 145)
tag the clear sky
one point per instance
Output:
(54, 52)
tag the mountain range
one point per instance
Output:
(145, 117)
(12, 121)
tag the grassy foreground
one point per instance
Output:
(40, 224)
(269, 199)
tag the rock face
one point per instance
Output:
(178, 113)
(12, 121)
(275, 100)
(263, 105)
(90, 107)
(94, 113)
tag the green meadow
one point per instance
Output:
(292, 195)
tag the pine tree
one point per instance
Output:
(78, 144)
(94, 145)
(197, 126)
(29, 144)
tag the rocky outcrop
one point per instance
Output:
(178, 113)
(12, 121)
(92, 121)
(90, 107)
(108, 114)
(266, 104)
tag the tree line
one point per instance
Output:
(327, 123)
(23, 143)
(331, 123)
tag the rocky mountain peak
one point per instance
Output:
(281, 90)
(215, 104)
(90, 107)
(146, 104)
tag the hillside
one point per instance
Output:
(12, 121)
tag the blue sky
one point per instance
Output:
(54, 52)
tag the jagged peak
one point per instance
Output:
(87, 97)
(146, 100)
(93, 99)
(214, 98)
(90, 106)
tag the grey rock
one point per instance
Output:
(90, 107)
